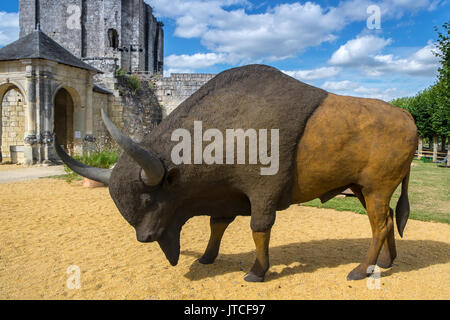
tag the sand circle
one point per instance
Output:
(50, 228)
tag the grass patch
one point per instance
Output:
(63, 177)
(134, 84)
(101, 159)
(429, 195)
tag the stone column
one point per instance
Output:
(160, 51)
(89, 138)
(79, 128)
(31, 138)
(40, 107)
(47, 115)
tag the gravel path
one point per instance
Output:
(12, 173)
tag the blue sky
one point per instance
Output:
(324, 43)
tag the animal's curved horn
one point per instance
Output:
(152, 167)
(96, 174)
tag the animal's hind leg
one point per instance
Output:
(218, 227)
(378, 211)
(389, 252)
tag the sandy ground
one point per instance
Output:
(48, 225)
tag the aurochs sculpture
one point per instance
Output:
(327, 143)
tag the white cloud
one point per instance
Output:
(314, 74)
(356, 89)
(340, 85)
(422, 63)
(358, 51)
(195, 61)
(169, 71)
(364, 53)
(9, 27)
(356, 10)
(282, 31)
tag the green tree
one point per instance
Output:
(404, 103)
(421, 108)
(441, 116)
(426, 111)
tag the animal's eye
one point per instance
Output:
(146, 199)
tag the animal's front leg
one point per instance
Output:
(262, 220)
(261, 264)
(218, 227)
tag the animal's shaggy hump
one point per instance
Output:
(254, 80)
(249, 97)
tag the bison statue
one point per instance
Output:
(326, 143)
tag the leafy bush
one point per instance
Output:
(120, 73)
(134, 84)
(100, 159)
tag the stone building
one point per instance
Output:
(172, 91)
(62, 71)
(106, 34)
(44, 90)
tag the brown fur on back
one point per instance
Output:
(352, 140)
(249, 97)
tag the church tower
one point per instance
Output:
(107, 34)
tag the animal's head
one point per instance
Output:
(142, 189)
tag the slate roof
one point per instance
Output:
(37, 45)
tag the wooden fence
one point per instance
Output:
(429, 154)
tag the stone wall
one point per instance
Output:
(102, 138)
(85, 28)
(136, 111)
(12, 121)
(172, 91)
(60, 22)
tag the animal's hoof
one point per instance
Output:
(385, 264)
(357, 274)
(206, 260)
(251, 277)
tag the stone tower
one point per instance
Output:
(107, 34)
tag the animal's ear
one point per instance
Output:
(171, 177)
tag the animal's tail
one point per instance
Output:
(402, 208)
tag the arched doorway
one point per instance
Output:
(63, 119)
(12, 124)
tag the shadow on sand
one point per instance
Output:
(313, 255)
